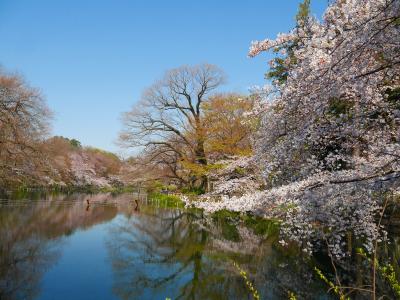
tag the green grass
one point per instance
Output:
(193, 191)
(166, 200)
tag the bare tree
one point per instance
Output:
(24, 121)
(167, 123)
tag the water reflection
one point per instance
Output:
(32, 235)
(150, 252)
(162, 253)
(154, 252)
(22, 264)
(179, 254)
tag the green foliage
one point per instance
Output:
(332, 286)
(386, 271)
(217, 166)
(35, 193)
(240, 171)
(279, 71)
(226, 214)
(193, 190)
(389, 274)
(393, 96)
(249, 284)
(292, 296)
(303, 11)
(338, 107)
(155, 186)
(229, 231)
(261, 226)
(166, 200)
(227, 221)
(75, 143)
(103, 152)
(171, 188)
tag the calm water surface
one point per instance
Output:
(104, 247)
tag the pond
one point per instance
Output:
(105, 246)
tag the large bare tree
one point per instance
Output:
(167, 122)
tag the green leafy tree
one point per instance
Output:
(285, 59)
(75, 143)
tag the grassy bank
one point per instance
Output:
(166, 200)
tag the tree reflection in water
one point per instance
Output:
(25, 254)
(163, 253)
(32, 235)
(22, 265)
(160, 252)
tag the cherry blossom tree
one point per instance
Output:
(334, 122)
(328, 142)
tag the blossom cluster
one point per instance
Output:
(84, 171)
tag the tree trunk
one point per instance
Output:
(201, 160)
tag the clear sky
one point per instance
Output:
(92, 58)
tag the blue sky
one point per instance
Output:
(92, 59)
